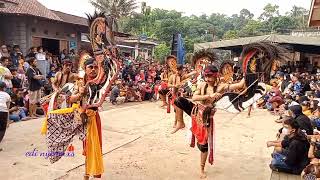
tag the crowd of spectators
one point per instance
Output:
(295, 98)
(27, 78)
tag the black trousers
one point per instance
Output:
(3, 123)
(187, 106)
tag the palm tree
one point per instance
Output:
(116, 8)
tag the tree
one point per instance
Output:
(231, 34)
(269, 11)
(246, 14)
(253, 28)
(283, 24)
(300, 15)
(161, 52)
(117, 8)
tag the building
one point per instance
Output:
(314, 16)
(28, 23)
(303, 49)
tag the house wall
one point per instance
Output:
(14, 31)
(22, 29)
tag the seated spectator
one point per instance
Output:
(275, 101)
(306, 108)
(304, 122)
(115, 92)
(52, 72)
(293, 157)
(280, 135)
(17, 111)
(133, 93)
(146, 91)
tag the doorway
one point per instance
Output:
(52, 45)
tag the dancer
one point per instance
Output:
(206, 94)
(164, 87)
(93, 141)
(80, 116)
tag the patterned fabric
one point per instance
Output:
(203, 128)
(61, 128)
(309, 177)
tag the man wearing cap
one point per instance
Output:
(64, 76)
(206, 94)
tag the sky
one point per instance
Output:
(189, 7)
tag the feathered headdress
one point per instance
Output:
(204, 54)
(259, 57)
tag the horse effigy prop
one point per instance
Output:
(258, 61)
(63, 122)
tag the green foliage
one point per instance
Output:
(161, 52)
(117, 8)
(162, 24)
(231, 34)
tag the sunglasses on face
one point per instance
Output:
(68, 65)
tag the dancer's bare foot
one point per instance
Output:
(203, 174)
(180, 125)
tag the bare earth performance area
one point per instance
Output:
(131, 91)
(143, 148)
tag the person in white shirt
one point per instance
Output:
(42, 62)
(5, 74)
(4, 109)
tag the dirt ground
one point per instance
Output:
(137, 144)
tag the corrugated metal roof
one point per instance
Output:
(282, 39)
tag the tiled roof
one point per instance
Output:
(28, 7)
(68, 18)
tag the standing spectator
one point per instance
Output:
(16, 80)
(32, 53)
(35, 80)
(15, 55)
(64, 54)
(21, 65)
(72, 56)
(4, 107)
(5, 74)
(41, 60)
(64, 76)
(4, 51)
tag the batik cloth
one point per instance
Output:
(61, 128)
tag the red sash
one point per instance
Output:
(201, 132)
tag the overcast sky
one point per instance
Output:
(197, 7)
